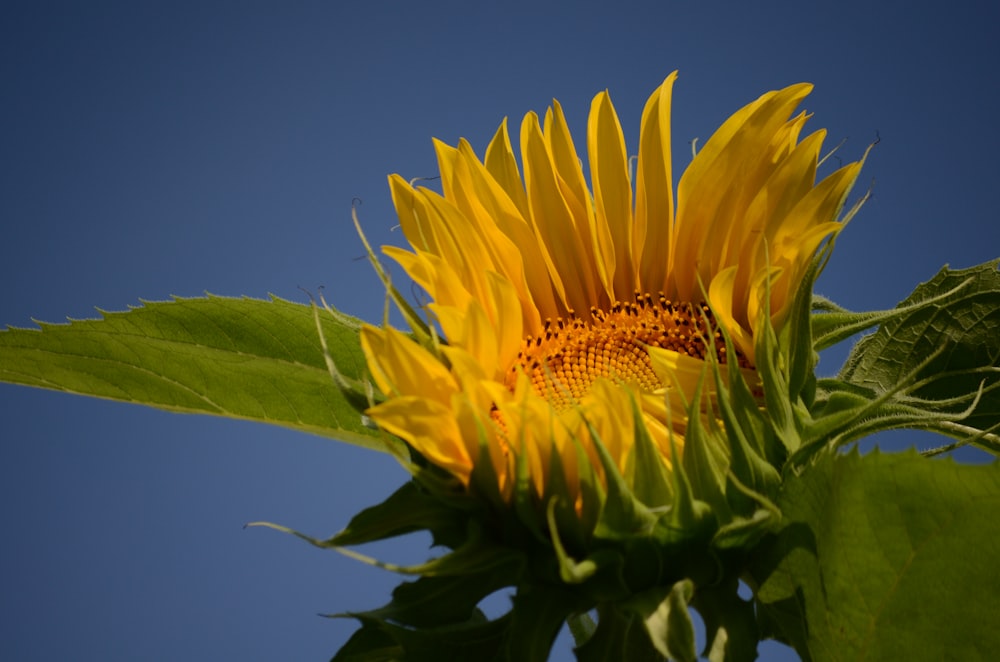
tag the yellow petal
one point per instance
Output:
(502, 165)
(474, 424)
(462, 191)
(730, 310)
(531, 430)
(678, 373)
(430, 427)
(472, 331)
(719, 183)
(612, 419)
(401, 367)
(569, 174)
(793, 177)
(566, 165)
(434, 274)
(654, 196)
(507, 320)
(612, 194)
(822, 203)
(665, 420)
(553, 222)
(419, 229)
(451, 222)
(435, 226)
(517, 253)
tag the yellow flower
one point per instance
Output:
(564, 305)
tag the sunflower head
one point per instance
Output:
(604, 387)
(576, 318)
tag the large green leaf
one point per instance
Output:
(945, 340)
(885, 557)
(241, 358)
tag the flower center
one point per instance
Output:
(564, 362)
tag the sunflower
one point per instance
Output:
(565, 309)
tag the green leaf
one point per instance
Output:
(947, 336)
(884, 557)
(239, 358)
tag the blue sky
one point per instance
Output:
(157, 149)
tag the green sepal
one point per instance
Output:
(439, 601)
(798, 332)
(592, 492)
(623, 515)
(664, 612)
(649, 479)
(747, 415)
(705, 463)
(560, 510)
(538, 614)
(619, 635)
(483, 479)
(410, 508)
(744, 434)
(369, 643)
(571, 571)
(731, 633)
(689, 516)
(601, 572)
(839, 406)
(581, 625)
(478, 553)
(833, 324)
(743, 532)
(772, 366)
(422, 332)
(382, 641)
(680, 641)
(525, 505)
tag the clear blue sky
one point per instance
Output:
(172, 148)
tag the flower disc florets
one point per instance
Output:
(572, 354)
